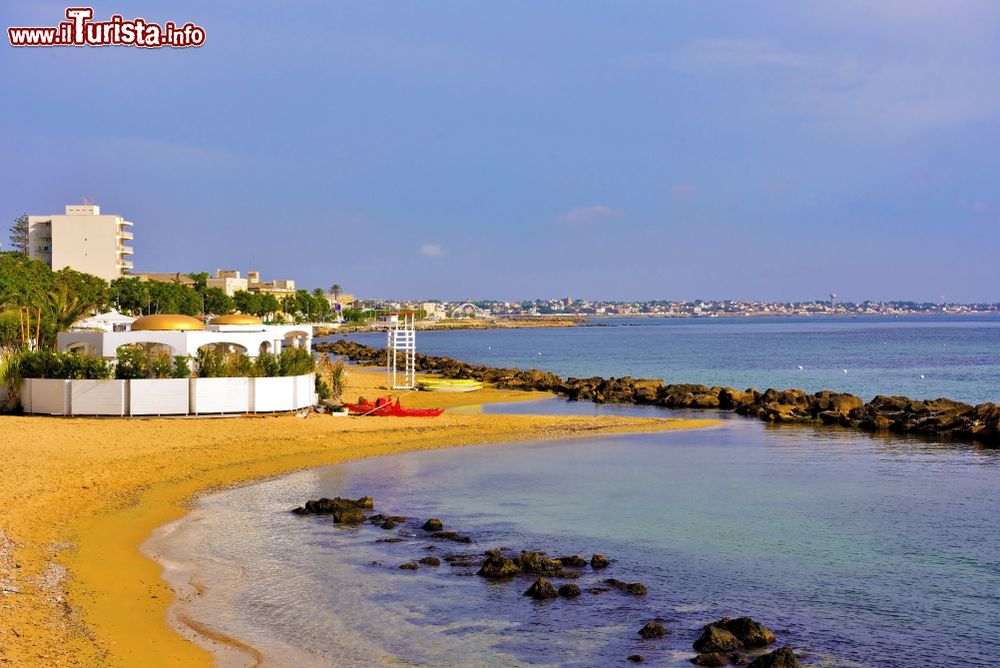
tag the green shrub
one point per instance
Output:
(322, 389)
(296, 362)
(130, 363)
(63, 365)
(267, 366)
(161, 366)
(181, 367)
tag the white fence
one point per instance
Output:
(169, 396)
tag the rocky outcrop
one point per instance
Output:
(599, 561)
(939, 417)
(653, 629)
(635, 588)
(430, 561)
(537, 562)
(326, 506)
(750, 632)
(498, 566)
(782, 657)
(716, 639)
(541, 589)
(569, 591)
(710, 659)
(432, 525)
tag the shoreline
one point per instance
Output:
(83, 495)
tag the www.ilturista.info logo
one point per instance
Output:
(80, 30)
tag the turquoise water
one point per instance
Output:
(917, 356)
(856, 550)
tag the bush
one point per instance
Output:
(131, 363)
(296, 362)
(181, 367)
(161, 366)
(63, 366)
(267, 366)
(322, 389)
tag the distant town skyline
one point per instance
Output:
(654, 150)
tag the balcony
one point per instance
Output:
(124, 222)
(122, 234)
(125, 264)
(126, 250)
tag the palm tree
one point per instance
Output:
(336, 291)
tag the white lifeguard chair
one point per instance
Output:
(401, 341)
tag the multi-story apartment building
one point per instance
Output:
(277, 287)
(82, 239)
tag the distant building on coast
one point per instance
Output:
(229, 281)
(82, 239)
(163, 277)
(278, 287)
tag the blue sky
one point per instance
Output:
(775, 150)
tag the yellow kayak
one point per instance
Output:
(449, 385)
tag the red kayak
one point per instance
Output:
(385, 407)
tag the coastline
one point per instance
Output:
(83, 494)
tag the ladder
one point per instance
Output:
(401, 341)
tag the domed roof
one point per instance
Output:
(236, 319)
(163, 322)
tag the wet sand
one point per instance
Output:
(80, 496)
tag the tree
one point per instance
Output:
(130, 294)
(218, 302)
(336, 291)
(19, 234)
(200, 279)
(247, 302)
(268, 306)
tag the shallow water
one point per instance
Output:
(917, 356)
(855, 550)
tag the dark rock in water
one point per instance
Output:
(431, 561)
(398, 519)
(432, 525)
(738, 659)
(430, 548)
(598, 590)
(409, 567)
(497, 566)
(348, 516)
(637, 658)
(573, 560)
(569, 591)
(599, 561)
(716, 639)
(388, 524)
(542, 589)
(378, 519)
(389, 540)
(783, 657)
(326, 506)
(537, 562)
(451, 535)
(636, 588)
(749, 631)
(653, 629)
(300, 511)
(710, 659)
(572, 575)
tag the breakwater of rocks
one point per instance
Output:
(943, 418)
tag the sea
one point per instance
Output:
(855, 549)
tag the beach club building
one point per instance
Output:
(176, 335)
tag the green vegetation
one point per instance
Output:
(19, 234)
(213, 363)
(63, 366)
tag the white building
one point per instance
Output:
(184, 335)
(82, 239)
(227, 280)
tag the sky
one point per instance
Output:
(521, 149)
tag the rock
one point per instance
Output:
(388, 524)
(637, 658)
(716, 639)
(398, 519)
(569, 591)
(541, 589)
(348, 516)
(326, 506)
(599, 561)
(394, 539)
(451, 535)
(636, 588)
(573, 560)
(432, 525)
(653, 629)
(300, 511)
(710, 659)
(738, 659)
(572, 575)
(748, 631)
(782, 657)
(497, 566)
(409, 567)
(430, 561)
(537, 562)
(598, 590)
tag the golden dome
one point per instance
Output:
(236, 319)
(167, 323)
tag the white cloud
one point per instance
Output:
(586, 215)
(432, 250)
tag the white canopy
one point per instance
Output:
(104, 321)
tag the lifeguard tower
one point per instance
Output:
(401, 341)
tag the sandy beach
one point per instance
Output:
(81, 495)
